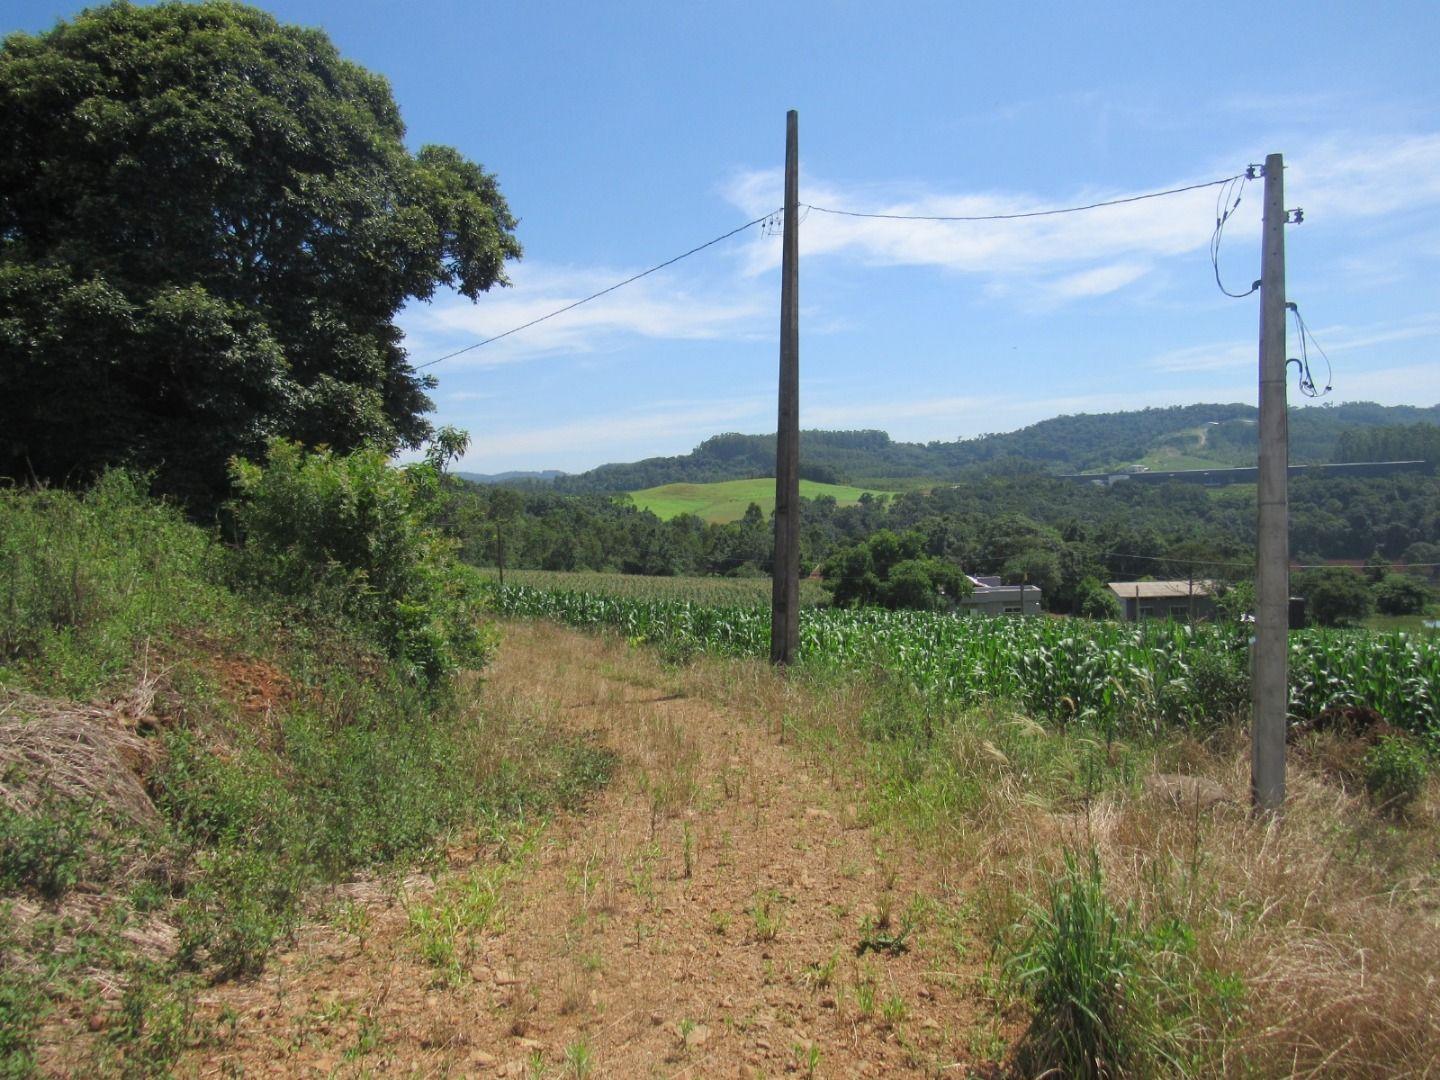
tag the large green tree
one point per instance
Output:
(208, 223)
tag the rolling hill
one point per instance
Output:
(1186, 436)
(727, 500)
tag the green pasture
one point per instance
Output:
(729, 499)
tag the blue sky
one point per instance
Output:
(625, 133)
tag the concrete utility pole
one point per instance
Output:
(1269, 693)
(785, 597)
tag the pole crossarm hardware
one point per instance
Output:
(785, 592)
(1270, 683)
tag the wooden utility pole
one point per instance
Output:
(1270, 693)
(785, 596)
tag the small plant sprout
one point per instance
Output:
(766, 915)
(893, 1010)
(807, 1057)
(579, 1060)
(818, 976)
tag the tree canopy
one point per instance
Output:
(893, 571)
(208, 222)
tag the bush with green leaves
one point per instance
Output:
(1400, 594)
(350, 535)
(1396, 769)
(1096, 600)
(1334, 595)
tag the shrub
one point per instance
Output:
(349, 534)
(44, 851)
(1400, 594)
(1395, 773)
(1096, 601)
(1335, 596)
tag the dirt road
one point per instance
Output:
(722, 908)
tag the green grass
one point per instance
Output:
(1410, 624)
(728, 500)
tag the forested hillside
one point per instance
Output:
(1204, 434)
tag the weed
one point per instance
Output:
(579, 1060)
(1395, 774)
(865, 998)
(876, 937)
(766, 915)
(807, 1057)
(153, 1023)
(445, 928)
(44, 851)
(893, 1010)
(720, 922)
(818, 976)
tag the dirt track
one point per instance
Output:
(700, 918)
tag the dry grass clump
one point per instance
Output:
(84, 754)
(1326, 916)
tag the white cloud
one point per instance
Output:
(635, 432)
(1335, 340)
(1333, 178)
(1097, 282)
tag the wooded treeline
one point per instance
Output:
(1019, 524)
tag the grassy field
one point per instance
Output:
(729, 500)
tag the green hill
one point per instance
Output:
(1175, 437)
(728, 500)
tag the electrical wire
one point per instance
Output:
(1028, 213)
(1224, 209)
(1307, 381)
(596, 295)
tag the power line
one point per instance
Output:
(768, 220)
(1028, 213)
(1224, 209)
(596, 295)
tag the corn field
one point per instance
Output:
(1102, 673)
(706, 591)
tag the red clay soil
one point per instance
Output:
(604, 958)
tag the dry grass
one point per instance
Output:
(85, 754)
(1327, 917)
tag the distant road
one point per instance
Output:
(1248, 474)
